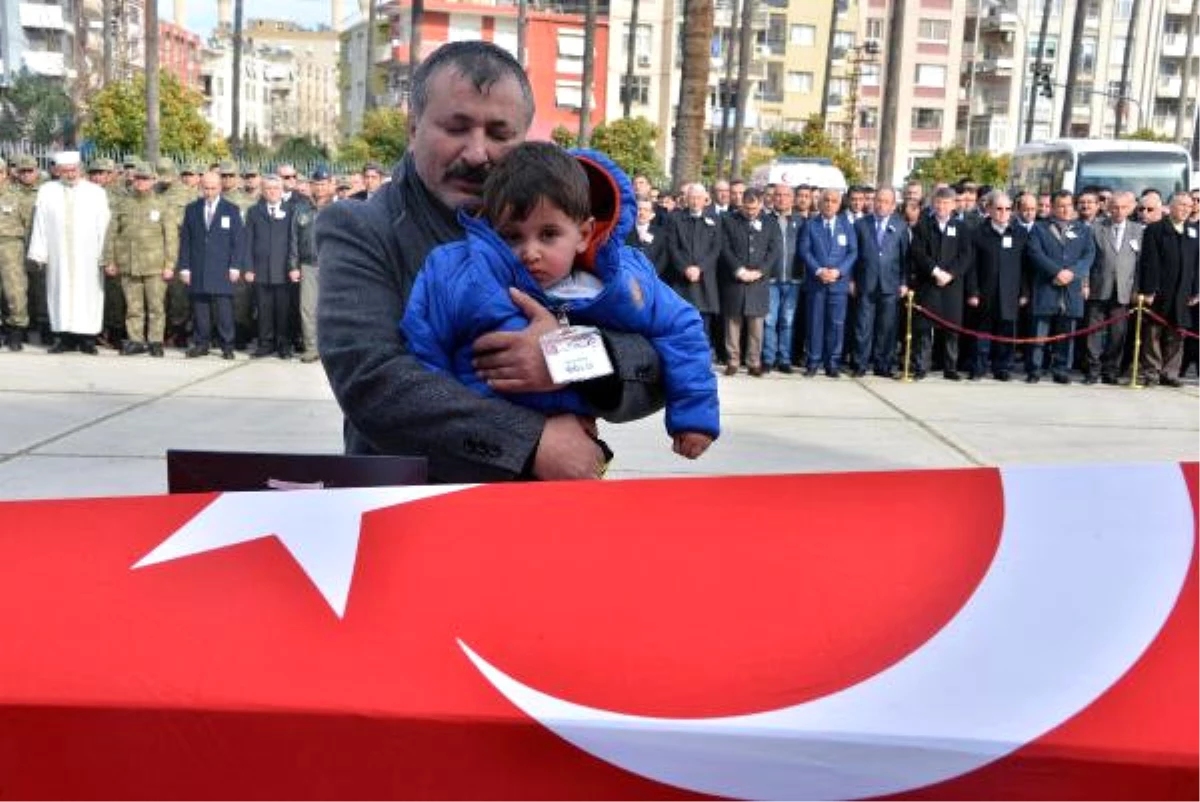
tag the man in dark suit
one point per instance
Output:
(939, 259)
(1061, 252)
(880, 274)
(648, 235)
(994, 287)
(749, 247)
(372, 174)
(272, 267)
(828, 248)
(693, 250)
(1169, 283)
(1113, 283)
(786, 277)
(210, 243)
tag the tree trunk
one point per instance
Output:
(631, 58)
(369, 83)
(152, 109)
(416, 19)
(725, 91)
(889, 121)
(693, 92)
(109, 32)
(589, 73)
(235, 134)
(1186, 73)
(522, 22)
(1126, 63)
(745, 52)
(1064, 125)
(1041, 53)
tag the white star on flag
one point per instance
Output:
(320, 528)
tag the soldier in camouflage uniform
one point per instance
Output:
(243, 294)
(189, 176)
(140, 247)
(103, 172)
(16, 217)
(28, 179)
(179, 306)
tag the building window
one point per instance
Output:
(868, 118)
(933, 30)
(568, 94)
(869, 74)
(1087, 56)
(570, 51)
(638, 89)
(875, 28)
(801, 82)
(641, 47)
(931, 75)
(803, 35)
(1049, 52)
(842, 42)
(1124, 9)
(839, 88)
(927, 119)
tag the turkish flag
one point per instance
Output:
(227, 673)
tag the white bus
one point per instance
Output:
(1130, 164)
(797, 170)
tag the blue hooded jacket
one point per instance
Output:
(462, 293)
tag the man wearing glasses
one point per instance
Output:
(994, 286)
(290, 177)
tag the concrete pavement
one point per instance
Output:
(76, 426)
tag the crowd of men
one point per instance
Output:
(144, 257)
(817, 279)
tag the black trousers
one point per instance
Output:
(202, 306)
(1105, 347)
(274, 316)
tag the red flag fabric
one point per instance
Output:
(233, 670)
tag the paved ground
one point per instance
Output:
(73, 425)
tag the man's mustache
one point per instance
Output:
(471, 174)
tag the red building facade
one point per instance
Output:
(179, 53)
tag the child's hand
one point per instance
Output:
(691, 444)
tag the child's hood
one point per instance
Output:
(614, 206)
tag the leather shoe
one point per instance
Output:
(1003, 376)
(784, 367)
(156, 350)
(1032, 378)
(309, 357)
(833, 373)
(731, 370)
(755, 371)
(15, 340)
(858, 373)
(1109, 380)
(227, 353)
(131, 348)
(1061, 378)
(196, 350)
(951, 375)
(61, 346)
(919, 375)
(1090, 379)
(88, 346)
(810, 372)
(1167, 381)
(284, 353)
(259, 353)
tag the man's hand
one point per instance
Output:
(234, 274)
(294, 276)
(1022, 301)
(973, 300)
(903, 291)
(110, 270)
(691, 444)
(1193, 300)
(1064, 277)
(1146, 300)
(186, 277)
(692, 273)
(565, 451)
(853, 288)
(168, 273)
(249, 276)
(512, 361)
(1087, 290)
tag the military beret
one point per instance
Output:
(26, 162)
(165, 166)
(249, 169)
(130, 163)
(227, 167)
(102, 166)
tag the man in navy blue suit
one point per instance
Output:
(829, 248)
(210, 242)
(879, 276)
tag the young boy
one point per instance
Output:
(553, 227)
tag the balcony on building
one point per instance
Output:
(999, 21)
(1180, 8)
(1174, 45)
(1168, 86)
(45, 62)
(42, 17)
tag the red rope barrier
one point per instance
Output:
(1053, 338)
(1162, 321)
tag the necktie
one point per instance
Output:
(830, 227)
(879, 229)
(1116, 237)
(208, 215)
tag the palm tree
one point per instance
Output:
(589, 72)
(743, 86)
(693, 91)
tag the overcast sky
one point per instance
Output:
(202, 14)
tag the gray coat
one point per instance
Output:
(1114, 272)
(370, 253)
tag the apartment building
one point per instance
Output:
(268, 110)
(179, 53)
(315, 56)
(927, 81)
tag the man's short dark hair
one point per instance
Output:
(482, 63)
(1062, 193)
(534, 172)
(945, 193)
(752, 194)
(1151, 191)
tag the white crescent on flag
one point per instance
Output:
(1042, 637)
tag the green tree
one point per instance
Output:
(301, 150)
(955, 163)
(630, 143)
(562, 136)
(814, 141)
(383, 138)
(37, 109)
(1147, 135)
(118, 118)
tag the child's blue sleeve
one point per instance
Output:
(428, 324)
